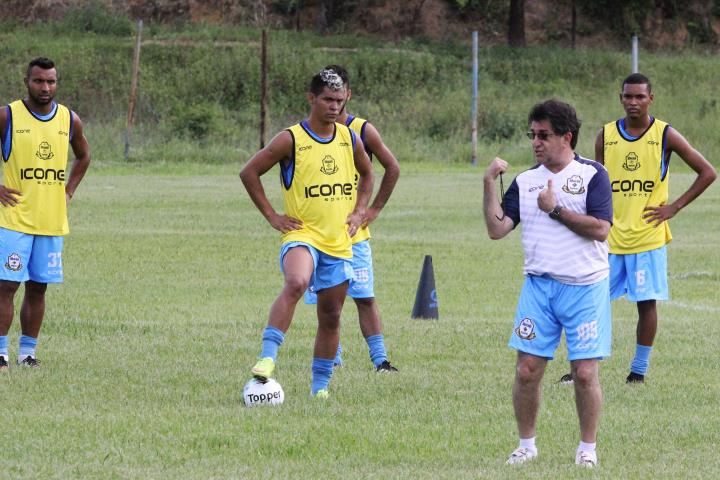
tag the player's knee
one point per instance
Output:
(8, 289)
(35, 289)
(365, 306)
(295, 287)
(585, 374)
(528, 372)
(329, 314)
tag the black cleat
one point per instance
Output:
(29, 361)
(635, 378)
(3, 364)
(386, 367)
(566, 379)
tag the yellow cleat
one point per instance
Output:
(264, 368)
(323, 394)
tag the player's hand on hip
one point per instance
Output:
(546, 198)
(496, 167)
(8, 196)
(657, 215)
(284, 224)
(354, 220)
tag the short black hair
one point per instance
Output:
(637, 79)
(340, 71)
(561, 115)
(327, 77)
(42, 62)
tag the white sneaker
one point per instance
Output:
(521, 455)
(586, 459)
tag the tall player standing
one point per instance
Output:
(36, 133)
(319, 162)
(362, 285)
(636, 151)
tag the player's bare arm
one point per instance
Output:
(584, 225)
(706, 174)
(279, 149)
(8, 196)
(390, 176)
(600, 147)
(498, 225)
(364, 188)
(81, 149)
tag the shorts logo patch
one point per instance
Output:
(14, 262)
(361, 275)
(526, 329)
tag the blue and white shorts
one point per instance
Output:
(329, 271)
(30, 257)
(640, 276)
(362, 285)
(546, 307)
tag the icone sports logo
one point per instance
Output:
(329, 190)
(644, 186)
(42, 174)
(262, 397)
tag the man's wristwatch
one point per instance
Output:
(555, 212)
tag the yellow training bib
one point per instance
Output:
(639, 175)
(36, 166)
(320, 188)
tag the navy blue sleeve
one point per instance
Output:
(511, 202)
(599, 196)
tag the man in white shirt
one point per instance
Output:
(565, 205)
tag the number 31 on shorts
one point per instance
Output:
(55, 259)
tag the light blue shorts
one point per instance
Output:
(329, 271)
(640, 276)
(547, 307)
(362, 285)
(30, 257)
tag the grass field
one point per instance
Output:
(170, 272)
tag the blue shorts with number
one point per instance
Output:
(362, 285)
(329, 271)
(640, 276)
(30, 257)
(547, 307)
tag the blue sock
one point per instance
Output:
(27, 346)
(271, 340)
(322, 369)
(641, 361)
(338, 356)
(376, 346)
(4, 345)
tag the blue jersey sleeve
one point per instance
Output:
(511, 202)
(599, 196)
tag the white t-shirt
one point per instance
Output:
(550, 247)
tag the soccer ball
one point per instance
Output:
(257, 392)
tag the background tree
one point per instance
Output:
(516, 23)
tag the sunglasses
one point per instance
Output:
(541, 135)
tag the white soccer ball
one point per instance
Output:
(257, 392)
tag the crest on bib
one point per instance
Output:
(44, 151)
(632, 162)
(328, 165)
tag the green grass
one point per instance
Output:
(170, 272)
